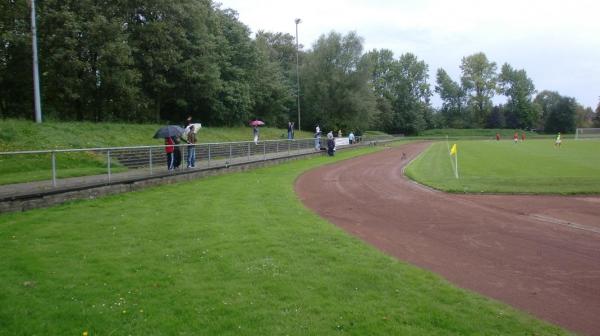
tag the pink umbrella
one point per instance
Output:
(256, 123)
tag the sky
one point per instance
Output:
(556, 42)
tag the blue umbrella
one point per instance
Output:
(168, 131)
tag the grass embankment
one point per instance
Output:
(226, 255)
(25, 135)
(534, 166)
(19, 135)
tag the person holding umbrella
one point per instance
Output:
(169, 133)
(255, 131)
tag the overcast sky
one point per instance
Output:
(556, 42)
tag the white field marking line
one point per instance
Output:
(417, 184)
(564, 223)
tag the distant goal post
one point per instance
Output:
(587, 133)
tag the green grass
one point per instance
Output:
(226, 255)
(25, 135)
(20, 135)
(534, 166)
(505, 134)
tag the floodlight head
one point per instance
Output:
(298, 21)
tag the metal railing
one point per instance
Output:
(87, 166)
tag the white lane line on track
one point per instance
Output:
(553, 220)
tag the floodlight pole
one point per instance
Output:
(36, 75)
(297, 73)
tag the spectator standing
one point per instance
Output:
(351, 137)
(176, 153)
(169, 150)
(255, 131)
(290, 130)
(293, 124)
(191, 154)
(330, 144)
(318, 137)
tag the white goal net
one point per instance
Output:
(587, 133)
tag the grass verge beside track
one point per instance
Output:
(533, 166)
(226, 255)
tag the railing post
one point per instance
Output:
(108, 155)
(150, 158)
(53, 168)
(209, 155)
(264, 151)
(248, 151)
(230, 153)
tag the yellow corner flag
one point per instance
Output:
(453, 150)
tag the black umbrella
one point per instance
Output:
(169, 131)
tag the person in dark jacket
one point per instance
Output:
(176, 153)
(330, 144)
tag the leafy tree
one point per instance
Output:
(454, 100)
(280, 48)
(479, 80)
(87, 65)
(338, 96)
(584, 116)
(546, 100)
(561, 115)
(412, 93)
(16, 81)
(380, 64)
(496, 117)
(401, 90)
(274, 93)
(519, 89)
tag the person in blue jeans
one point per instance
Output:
(318, 137)
(290, 130)
(191, 154)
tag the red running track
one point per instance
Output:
(540, 254)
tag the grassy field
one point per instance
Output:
(227, 255)
(534, 166)
(506, 134)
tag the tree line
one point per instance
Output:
(161, 61)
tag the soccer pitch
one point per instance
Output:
(532, 166)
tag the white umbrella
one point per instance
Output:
(197, 127)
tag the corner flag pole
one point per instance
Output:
(454, 152)
(456, 162)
